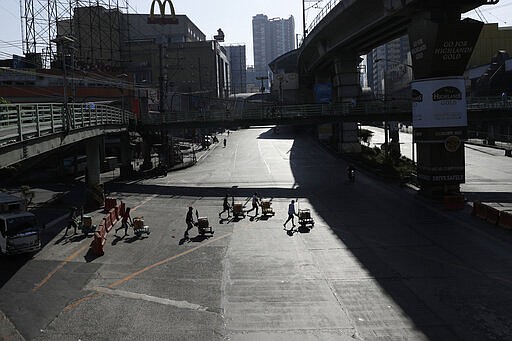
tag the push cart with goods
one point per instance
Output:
(86, 225)
(203, 226)
(139, 228)
(238, 210)
(266, 207)
(305, 218)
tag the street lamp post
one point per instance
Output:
(65, 41)
(262, 89)
(386, 142)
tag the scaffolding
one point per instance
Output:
(94, 26)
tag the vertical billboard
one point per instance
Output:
(439, 113)
(439, 102)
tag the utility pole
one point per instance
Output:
(161, 19)
(303, 20)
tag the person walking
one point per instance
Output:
(255, 203)
(75, 218)
(224, 142)
(189, 220)
(291, 213)
(225, 206)
(124, 222)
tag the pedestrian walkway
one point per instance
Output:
(7, 329)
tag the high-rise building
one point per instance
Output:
(388, 68)
(237, 61)
(271, 39)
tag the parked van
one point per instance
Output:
(75, 165)
(19, 230)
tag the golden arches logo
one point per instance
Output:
(162, 6)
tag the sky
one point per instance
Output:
(233, 16)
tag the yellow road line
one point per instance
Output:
(76, 303)
(67, 260)
(76, 253)
(136, 273)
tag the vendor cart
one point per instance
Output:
(139, 228)
(305, 218)
(266, 208)
(238, 210)
(203, 226)
(86, 225)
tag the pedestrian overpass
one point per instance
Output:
(28, 130)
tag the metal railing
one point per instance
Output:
(19, 122)
(491, 102)
(325, 10)
(266, 112)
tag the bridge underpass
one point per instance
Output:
(29, 131)
(441, 45)
(34, 131)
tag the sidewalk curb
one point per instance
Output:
(7, 330)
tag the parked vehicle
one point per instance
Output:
(351, 174)
(19, 230)
(74, 165)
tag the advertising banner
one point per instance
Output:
(439, 102)
(323, 92)
(444, 49)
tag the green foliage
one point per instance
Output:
(28, 194)
(3, 101)
(365, 136)
(376, 160)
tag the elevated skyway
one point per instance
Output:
(27, 130)
(360, 25)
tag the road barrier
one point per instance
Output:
(454, 202)
(112, 217)
(479, 210)
(99, 240)
(110, 203)
(493, 215)
(505, 220)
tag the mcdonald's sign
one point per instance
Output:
(162, 19)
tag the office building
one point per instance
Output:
(237, 61)
(271, 39)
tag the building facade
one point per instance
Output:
(271, 39)
(237, 61)
(388, 69)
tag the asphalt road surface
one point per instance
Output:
(380, 263)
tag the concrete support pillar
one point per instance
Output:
(347, 89)
(146, 154)
(491, 136)
(125, 155)
(94, 188)
(346, 82)
(441, 46)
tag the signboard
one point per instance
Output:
(323, 92)
(162, 19)
(442, 49)
(439, 102)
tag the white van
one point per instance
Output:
(75, 165)
(19, 233)
(19, 230)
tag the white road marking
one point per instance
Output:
(144, 297)
(266, 163)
